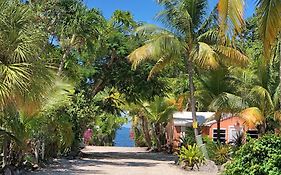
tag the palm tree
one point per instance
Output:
(26, 81)
(188, 40)
(260, 91)
(21, 43)
(216, 92)
(154, 116)
(269, 23)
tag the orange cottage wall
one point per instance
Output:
(225, 124)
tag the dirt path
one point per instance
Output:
(116, 161)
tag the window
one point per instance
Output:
(253, 133)
(222, 135)
(234, 134)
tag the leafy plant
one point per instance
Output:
(189, 138)
(258, 156)
(222, 154)
(191, 156)
(218, 153)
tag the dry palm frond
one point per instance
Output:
(231, 56)
(253, 116)
(205, 56)
(231, 14)
(270, 23)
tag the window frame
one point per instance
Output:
(221, 129)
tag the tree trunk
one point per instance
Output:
(36, 151)
(198, 138)
(280, 72)
(66, 53)
(157, 134)
(192, 97)
(43, 150)
(5, 151)
(146, 132)
(218, 130)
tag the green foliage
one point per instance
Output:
(222, 154)
(189, 138)
(210, 146)
(191, 156)
(258, 156)
(218, 153)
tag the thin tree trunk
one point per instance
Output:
(43, 150)
(192, 97)
(146, 132)
(157, 134)
(218, 130)
(280, 72)
(198, 137)
(5, 151)
(66, 53)
(63, 61)
(36, 151)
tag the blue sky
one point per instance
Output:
(145, 10)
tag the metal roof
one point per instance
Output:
(185, 118)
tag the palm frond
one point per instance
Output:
(205, 56)
(261, 98)
(270, 24)
(160, 47)
(159, 66)
(231, 56)
(253, 116)
(227, 103)
(231, 14)
(141, 54)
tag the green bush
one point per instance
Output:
(189, 138)
(222, 154)
(210, 146)
(218, 153)
(258, 157)
(191, 156)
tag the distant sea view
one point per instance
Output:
(122, 138)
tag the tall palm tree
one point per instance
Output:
(154, 116)
(261, 93)
(188, 40)
(216, 92)
(26, 81)
(269, 13)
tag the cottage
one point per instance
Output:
(176, 128)
(230, 127)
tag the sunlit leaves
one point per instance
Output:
(269, 14)
(231, 13)
(253, 116)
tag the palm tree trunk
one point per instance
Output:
(198, 138)
(192, 97)
(66, 53)
(146, 132)
(157, 134)
(218, 130)
(280, 72)
(5, 151)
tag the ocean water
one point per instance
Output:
(122, 138)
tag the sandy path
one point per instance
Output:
(116, 161)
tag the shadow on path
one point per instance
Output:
(113, 161)
(130, 155)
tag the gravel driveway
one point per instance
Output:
(118, 161)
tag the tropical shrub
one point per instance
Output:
(222, 154)
(189, 138)
(218, 153)
(191, 156)
(258, 157)
(210, 146)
